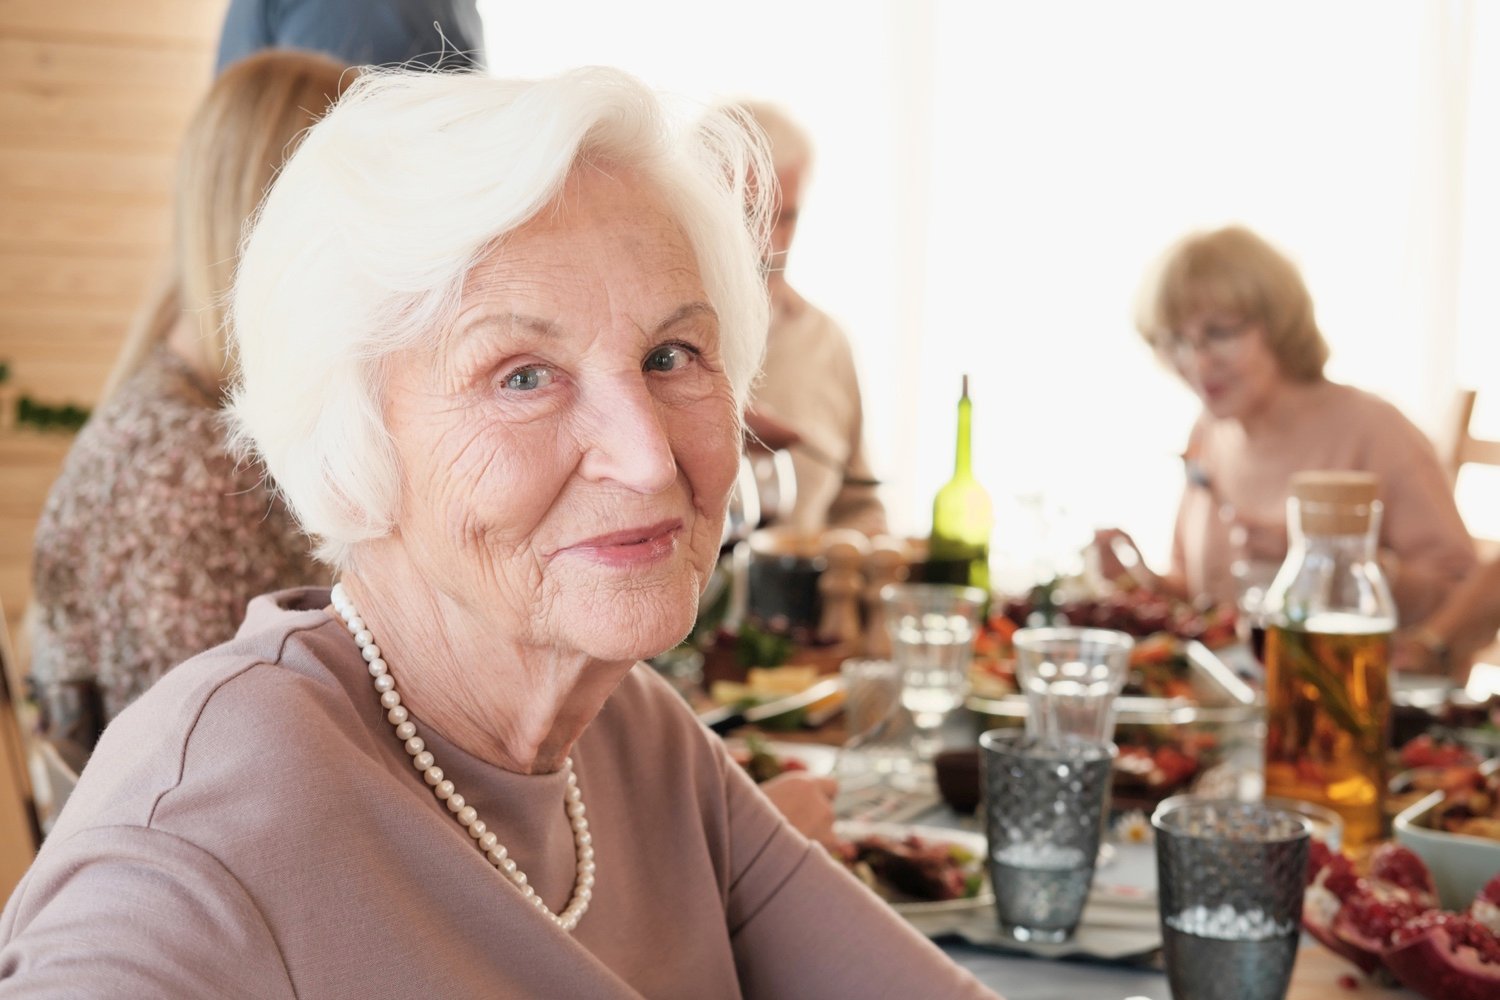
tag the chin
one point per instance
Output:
(636, 624)
(1222, 408)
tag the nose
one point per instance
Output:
(625, 438)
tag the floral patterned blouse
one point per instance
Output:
(152, 541)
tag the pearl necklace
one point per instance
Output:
(422, 760)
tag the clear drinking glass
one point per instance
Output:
(1043, 813)
(932, 628)
(872, 704)
(1230, 879)
(1071, 677)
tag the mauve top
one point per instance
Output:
(1425, 545)
(251, 827)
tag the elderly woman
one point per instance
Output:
(493, 338)
(154, 537)
(1232, 316)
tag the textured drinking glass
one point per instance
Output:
(932, 628)
(1071, 677)
(1230, 877)
(872, 691)
(1043, 810)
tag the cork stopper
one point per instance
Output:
(1336, 503)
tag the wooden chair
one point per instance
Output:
(1466, 448)
(20, 835)
(53, 780)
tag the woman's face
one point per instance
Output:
(568, 450)
(1225, 359)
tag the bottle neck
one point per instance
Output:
(961, 466)
(1331, 580)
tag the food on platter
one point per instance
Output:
(762, 684)
(1470, 802)
(1144, 775)
(764, 761)
(912, 864)
(1159, 665)
(1385, 919)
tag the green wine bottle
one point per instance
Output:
(962, 516)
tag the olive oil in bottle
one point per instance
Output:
(962, 517)
(1329, 622)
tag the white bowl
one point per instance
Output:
(1460, 864)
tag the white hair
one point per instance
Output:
(363, 244)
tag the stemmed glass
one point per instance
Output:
(932, 628)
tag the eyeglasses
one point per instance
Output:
(1216, 340)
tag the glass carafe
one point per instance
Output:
(1329, 617)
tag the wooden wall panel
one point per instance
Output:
(94, 95)
(146, 24)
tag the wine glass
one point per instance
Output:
(932, 628)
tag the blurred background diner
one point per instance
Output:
(1231, 316)
(155, 535)
(1163, 257)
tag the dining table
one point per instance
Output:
(1015, 974)
(1318, 975)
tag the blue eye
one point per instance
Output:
(527, 379)
(666, 358)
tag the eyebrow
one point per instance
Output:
(688, 311)
(547, 328)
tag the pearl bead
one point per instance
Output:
(442, 787)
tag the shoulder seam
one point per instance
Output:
(187, 737)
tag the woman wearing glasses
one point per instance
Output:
(1233, 318)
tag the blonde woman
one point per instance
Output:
(1233, 318)
(154, 537)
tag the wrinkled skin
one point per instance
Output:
(567, 450)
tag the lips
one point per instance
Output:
(630, 536)
(631, 546)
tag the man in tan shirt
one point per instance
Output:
(808, 384)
